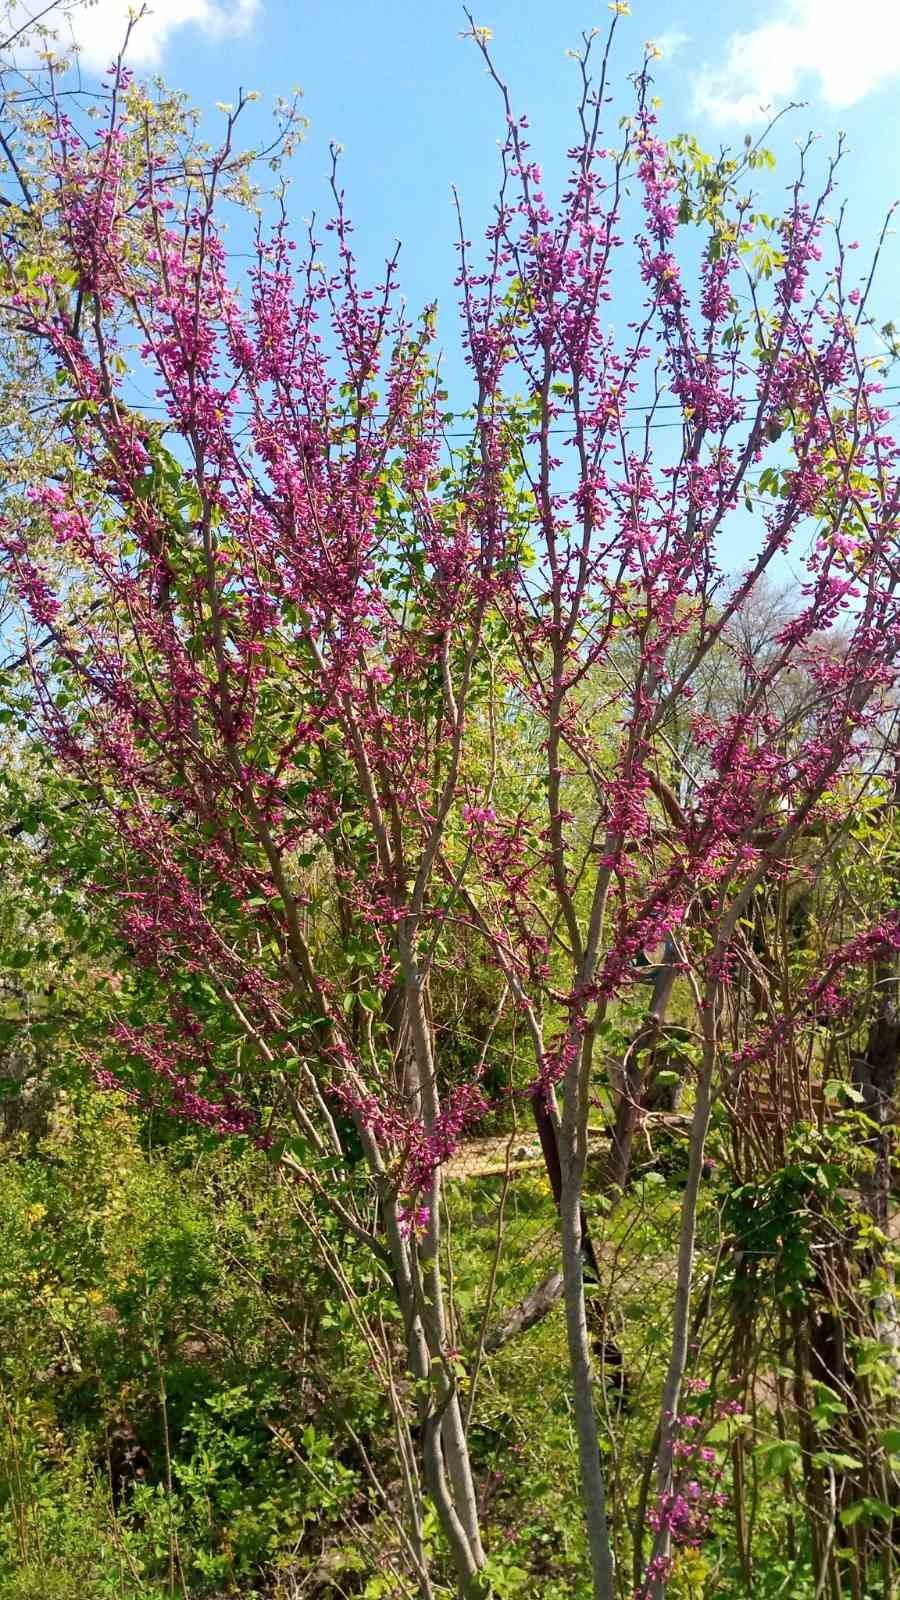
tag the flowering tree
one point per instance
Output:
(278, 641)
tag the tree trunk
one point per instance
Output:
(458, 1509)
(573, 1155)
(539, 1301)
(681, 1316)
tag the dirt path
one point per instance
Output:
(521, 1152)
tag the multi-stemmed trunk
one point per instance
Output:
(447, 1464)
(573, 1157)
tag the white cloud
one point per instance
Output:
(670, 41)
(99, 28)
(830, 49)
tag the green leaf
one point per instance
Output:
(867, 1507)
(778, 1455)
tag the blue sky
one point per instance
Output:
(406, 95)
(395, 83)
